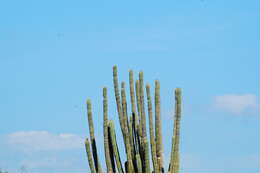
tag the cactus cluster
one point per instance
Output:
(133, 128)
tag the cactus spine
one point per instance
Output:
(133, 129)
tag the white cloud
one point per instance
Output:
(43, 141)
(236, 103)
(46, 162)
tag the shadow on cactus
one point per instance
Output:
(138, 150)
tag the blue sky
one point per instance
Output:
(56, 54)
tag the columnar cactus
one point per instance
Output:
(134, 131)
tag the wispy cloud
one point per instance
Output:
(46, 162)
(236, 104)
(43, 141)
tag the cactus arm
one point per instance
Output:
(105, 131)
(158, 126)
(139, 163)
(133, 106)
(151, 129)
(138, 99)
(92, 137)
(115, 147)
(175, 160)
(118, 101)
(131, 137)
(90, 120)
(90, 159)
(132, 93)
(138, 122)
(147, 157)
(126, 130)
(142, 120)
(141, 91)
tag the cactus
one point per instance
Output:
(92, 138)
(151, 129)
(138, 147)
(105, 131)
(174, 167)
(90, 159)
(158, 125)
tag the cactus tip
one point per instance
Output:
(123, 84)
(115, 67)
(178, 90)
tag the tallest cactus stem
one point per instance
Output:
(141, 91)
(118, 102)
(158, 126)
(132, 94)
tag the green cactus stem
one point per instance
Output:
(141, 91)
(92, 138)
(115, 146)
(105, 131)
(147, 157)
(158, 126)
(175, 162)
(126, 130)
(90, 159)
(151, 129)
(118, 101)
(139, 163)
